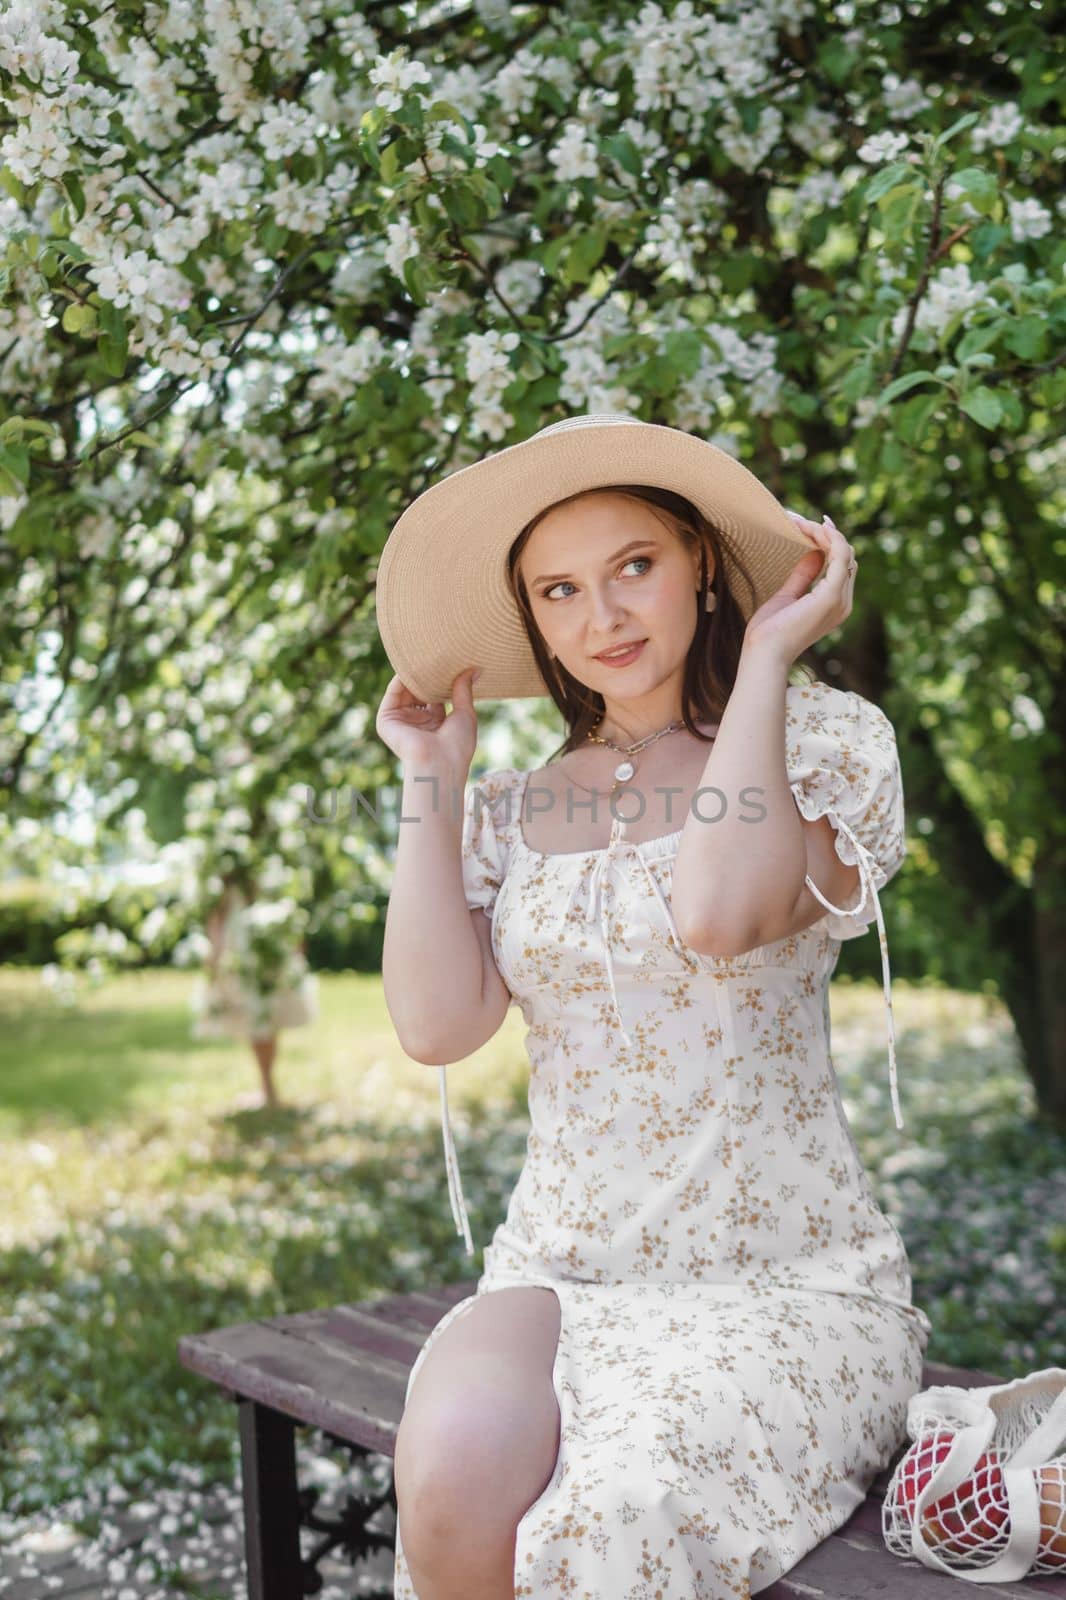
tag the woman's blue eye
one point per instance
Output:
(566, 584)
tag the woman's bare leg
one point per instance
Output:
(477, 1444)
(265, 1048)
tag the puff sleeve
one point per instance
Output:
(484, 839)
(843, 763)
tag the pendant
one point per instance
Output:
(624, 771)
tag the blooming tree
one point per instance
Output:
(269, 271)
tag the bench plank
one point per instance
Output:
(322, 1384)
(352, 1327)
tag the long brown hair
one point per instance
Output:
(714, 654)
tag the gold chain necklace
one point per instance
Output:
(625, 769)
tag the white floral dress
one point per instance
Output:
(222, 1006)
(738, 1341)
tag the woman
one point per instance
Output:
(692, 1345)
(256, 982)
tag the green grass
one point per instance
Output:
(139, 1204)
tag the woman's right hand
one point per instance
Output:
(430, 738)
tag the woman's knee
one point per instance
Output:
(479, 1439)
(481, 1453)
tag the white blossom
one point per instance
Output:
(1001, 124)
(1028, 219)
(403, 243)
(948, 292)
(574, 155)
(393, 75)
(882, 147)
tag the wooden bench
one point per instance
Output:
(344, 1370)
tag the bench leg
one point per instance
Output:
(271, 1507)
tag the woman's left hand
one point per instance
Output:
(797, 615)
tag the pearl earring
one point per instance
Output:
(710, 599)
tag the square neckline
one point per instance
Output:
(578, 855)
(658, 839)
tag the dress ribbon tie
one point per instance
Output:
(593, 883)
(869, 889)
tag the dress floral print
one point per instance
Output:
(738, 1340)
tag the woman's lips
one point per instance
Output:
(622, 660)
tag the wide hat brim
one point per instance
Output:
(443, 599)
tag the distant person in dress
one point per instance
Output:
(227, 1004)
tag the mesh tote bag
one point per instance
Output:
(981, 1492)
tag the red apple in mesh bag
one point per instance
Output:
(919, 1464)
(969, 1517)
(1051, 1486)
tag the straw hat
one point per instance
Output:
(443, 599)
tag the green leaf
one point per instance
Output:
(410, 113)
(1052, 386)
(457, 147)
(550, 252)
(500, 170)
(891, 459)
(444, 111)
(983, 405)
(684, 350)
(657, 375)
(900, 385)
(979, 186)
(586, 254)
(462, 205)
(898, 208)
(112, 320)
(802, 404)
(912, 418)
(14, 427)
(112, 355)
(68, 249)
(896, 172)
(736, 270)
(836, 60)
(273, 236)
(368, 147)
(75, 317)
(390, 163)
(13, 185)
(858, 382)
(138, 436)
(72, 185)
(966, 121)
(621, 148)
(1013, 410)
(414, 276)
(975, 340)
(1027, 337)
(16, 461)
(426, 218)
(986, 239)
